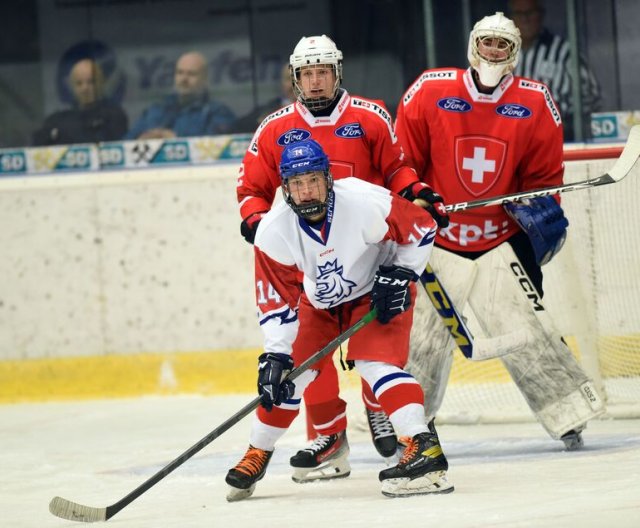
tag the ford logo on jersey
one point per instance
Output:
(513, 110)
(352, 130)
(293, 136)
(454, 104)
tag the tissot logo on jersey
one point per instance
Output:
(555, 114)
(513, 110)
(454, 104)
(352, 130)
(479, 161)
(427, 76)
(292, 136)
(373, 107)
(253, 147)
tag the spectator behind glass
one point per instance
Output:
(546, 57)
(92, 118)
(189, 111)
(250, 121)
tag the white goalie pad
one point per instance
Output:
(431, 349)
(554, 385)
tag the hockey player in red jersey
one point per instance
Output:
(355, 246)
(482, 132)
(358, 137)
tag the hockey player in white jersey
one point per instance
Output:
(354, 246)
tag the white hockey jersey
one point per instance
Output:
(335, 262)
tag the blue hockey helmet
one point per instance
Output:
(299, 158)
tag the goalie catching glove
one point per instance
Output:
(273, 387)
(435, 202)
(390, 294)
(543, 220)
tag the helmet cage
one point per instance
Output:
(308, 209)
(312, 51)
(301, 158)
(494, 35)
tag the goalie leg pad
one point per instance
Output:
(431, 345)
(554, 385)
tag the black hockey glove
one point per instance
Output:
(249, 226)
(390, 294)
(435, 202)
(272, 370)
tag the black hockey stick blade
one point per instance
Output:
(621, 168)
(73, 511)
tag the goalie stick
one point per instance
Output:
(479, 349)
(620, 169)
(487, 348)
(73, 511)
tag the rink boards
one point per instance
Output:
(137, 281)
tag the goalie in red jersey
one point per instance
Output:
(478, 133)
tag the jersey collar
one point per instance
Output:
(480, 97)
(331, 119)
(321, 233)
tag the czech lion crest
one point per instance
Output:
(331, 286)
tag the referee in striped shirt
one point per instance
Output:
(545, 57)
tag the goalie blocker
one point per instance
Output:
(504, 300)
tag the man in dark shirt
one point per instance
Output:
(92, 118)
(189, 111)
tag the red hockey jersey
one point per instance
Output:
(469, 145)
(357, 137)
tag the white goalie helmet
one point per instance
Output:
(316, 50)
(494, 44)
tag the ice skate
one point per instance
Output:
(324, 459)
(382, 433)
(242, 478)
(422, 468)
(573, 440)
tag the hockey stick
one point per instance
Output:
(487, 348)
(77, 512)
(479, 349)
(620, 169)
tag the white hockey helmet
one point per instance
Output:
(494, 44)
(308, 52)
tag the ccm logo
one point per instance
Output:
(392, 282)
(526, 286)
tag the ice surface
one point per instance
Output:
(95, 453)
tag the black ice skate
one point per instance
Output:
(247, 472)
(422, 468)
(325, 458)
(382, 433)
(573, 440)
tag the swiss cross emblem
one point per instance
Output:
(479, 162)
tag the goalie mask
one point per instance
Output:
(302, 158)
(494, 44)
(314, 52)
